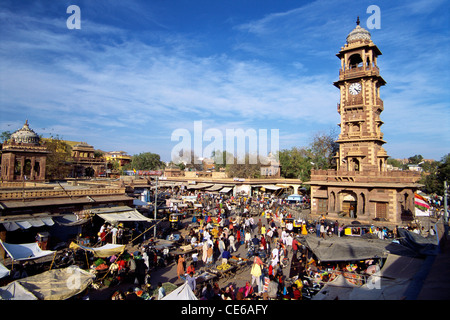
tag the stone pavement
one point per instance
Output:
(436, 284)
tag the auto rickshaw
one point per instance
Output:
(174, 220)
(356, 230)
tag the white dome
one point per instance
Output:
(25, 135)
(358, 34)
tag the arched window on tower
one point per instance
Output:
(355, 61)
(356, 165)
(332, 201)
(17, 168)
(355, 128)
(363, 203)
(37, 168)
(27, 168)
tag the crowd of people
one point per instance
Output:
(226, 224)
(263, 230)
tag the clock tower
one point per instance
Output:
(361, 187)
(361, 141)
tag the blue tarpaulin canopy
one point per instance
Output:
(25, 251)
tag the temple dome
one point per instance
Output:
(25, 135)
(358, 34)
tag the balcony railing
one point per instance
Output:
(359, 72)
(354, 101)
(365, 176)
(358, 100)
(380, 103)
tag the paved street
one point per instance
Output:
(431, 283)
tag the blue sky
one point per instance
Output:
(138, 70)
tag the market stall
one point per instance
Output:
(223, 270)
(15, 291)
(183, 292)
(391, 282)
(25, 251)
(115, 215)
(57, 284)
(204, 277)
(339, 288)
(353, 248)
(239, 263)
(4, 272)
(101, 252)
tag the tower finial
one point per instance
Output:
(357, 21)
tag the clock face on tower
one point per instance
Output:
(355, 88)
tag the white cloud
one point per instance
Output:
(114, 81)
(103, 80)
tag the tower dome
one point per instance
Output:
(358, 34)
(25, 135)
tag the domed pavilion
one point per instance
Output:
(23, 157)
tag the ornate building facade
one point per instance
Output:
(23, 157)
(84, 162)
(361, 187)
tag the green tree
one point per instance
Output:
(416, 159)
(322, 150)
(443, 170)
(187, 159)
(245, 170)
(430, 167)
(5, 136)
(220, 159)
(172, 164)
(58, 160)
(145, 161)
(98, 154)
(397, 164)
(295, 163)
(195, 164)
(433, 181)
(113, 165)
